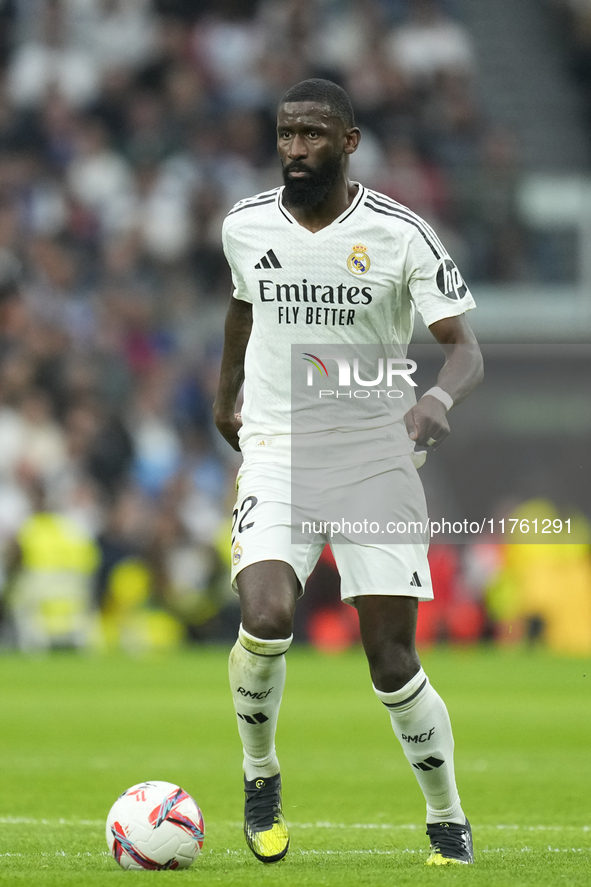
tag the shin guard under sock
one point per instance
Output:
(421, 723)
(257, 678)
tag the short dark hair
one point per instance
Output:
(325, 92)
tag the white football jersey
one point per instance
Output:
(355, 282)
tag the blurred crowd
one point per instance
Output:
(128, 128)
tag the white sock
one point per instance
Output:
(257, 678)
(421, 723)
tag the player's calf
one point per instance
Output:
(421, 723)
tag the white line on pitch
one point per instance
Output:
(413, 826)
(419, 852)
(246, 853)
(397, 852)
(25, 820)
(60, 853)
(376, 826)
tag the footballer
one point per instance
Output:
(326, 261)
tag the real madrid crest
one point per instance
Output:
(237, 553)
(358, 262)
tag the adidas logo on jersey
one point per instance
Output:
(415, 580)
(269, 260)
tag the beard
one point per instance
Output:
(310, 192)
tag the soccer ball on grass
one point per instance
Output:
(155, 825)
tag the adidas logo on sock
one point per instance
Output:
(269, 260)
(415, 580)
(258, 718)
(433, 762)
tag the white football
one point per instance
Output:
(155, 825)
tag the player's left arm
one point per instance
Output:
(461, 373)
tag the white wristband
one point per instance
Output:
(445, 398)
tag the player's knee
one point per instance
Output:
(393, 667)
(272, 623)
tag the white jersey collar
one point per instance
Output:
(338, 221)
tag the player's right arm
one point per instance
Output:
(236, 335)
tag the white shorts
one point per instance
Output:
(262, 531)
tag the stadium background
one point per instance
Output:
(127, 131)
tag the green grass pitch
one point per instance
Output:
(76, 731)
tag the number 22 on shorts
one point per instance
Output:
(239, 515)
